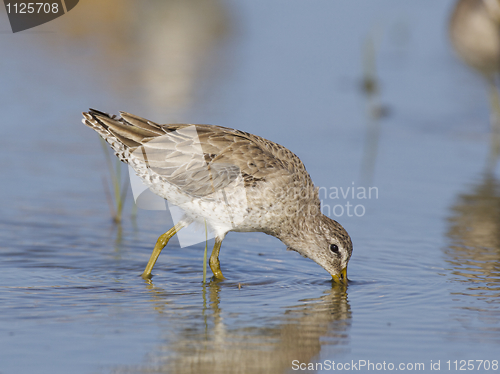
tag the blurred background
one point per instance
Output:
(366, 93)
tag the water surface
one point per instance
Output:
(425, 273)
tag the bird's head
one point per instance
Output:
(328, 244)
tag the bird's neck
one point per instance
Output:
(298, 228)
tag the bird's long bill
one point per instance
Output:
(342, 277)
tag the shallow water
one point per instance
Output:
(425, 273)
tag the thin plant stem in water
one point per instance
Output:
(370, 86)
(205, 255)
(116, 202)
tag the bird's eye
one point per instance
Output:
(334, 248)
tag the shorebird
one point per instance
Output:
(475, 35)
(230, 179)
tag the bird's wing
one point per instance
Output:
(179, 157)
(198, 159)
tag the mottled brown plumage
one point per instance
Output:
(266, 185)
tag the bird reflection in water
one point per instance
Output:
(474, 231)
(205, 344)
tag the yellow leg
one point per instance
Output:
(160, 244)
(214, 260)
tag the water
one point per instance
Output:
(425, 273)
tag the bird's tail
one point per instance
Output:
(123, 134)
